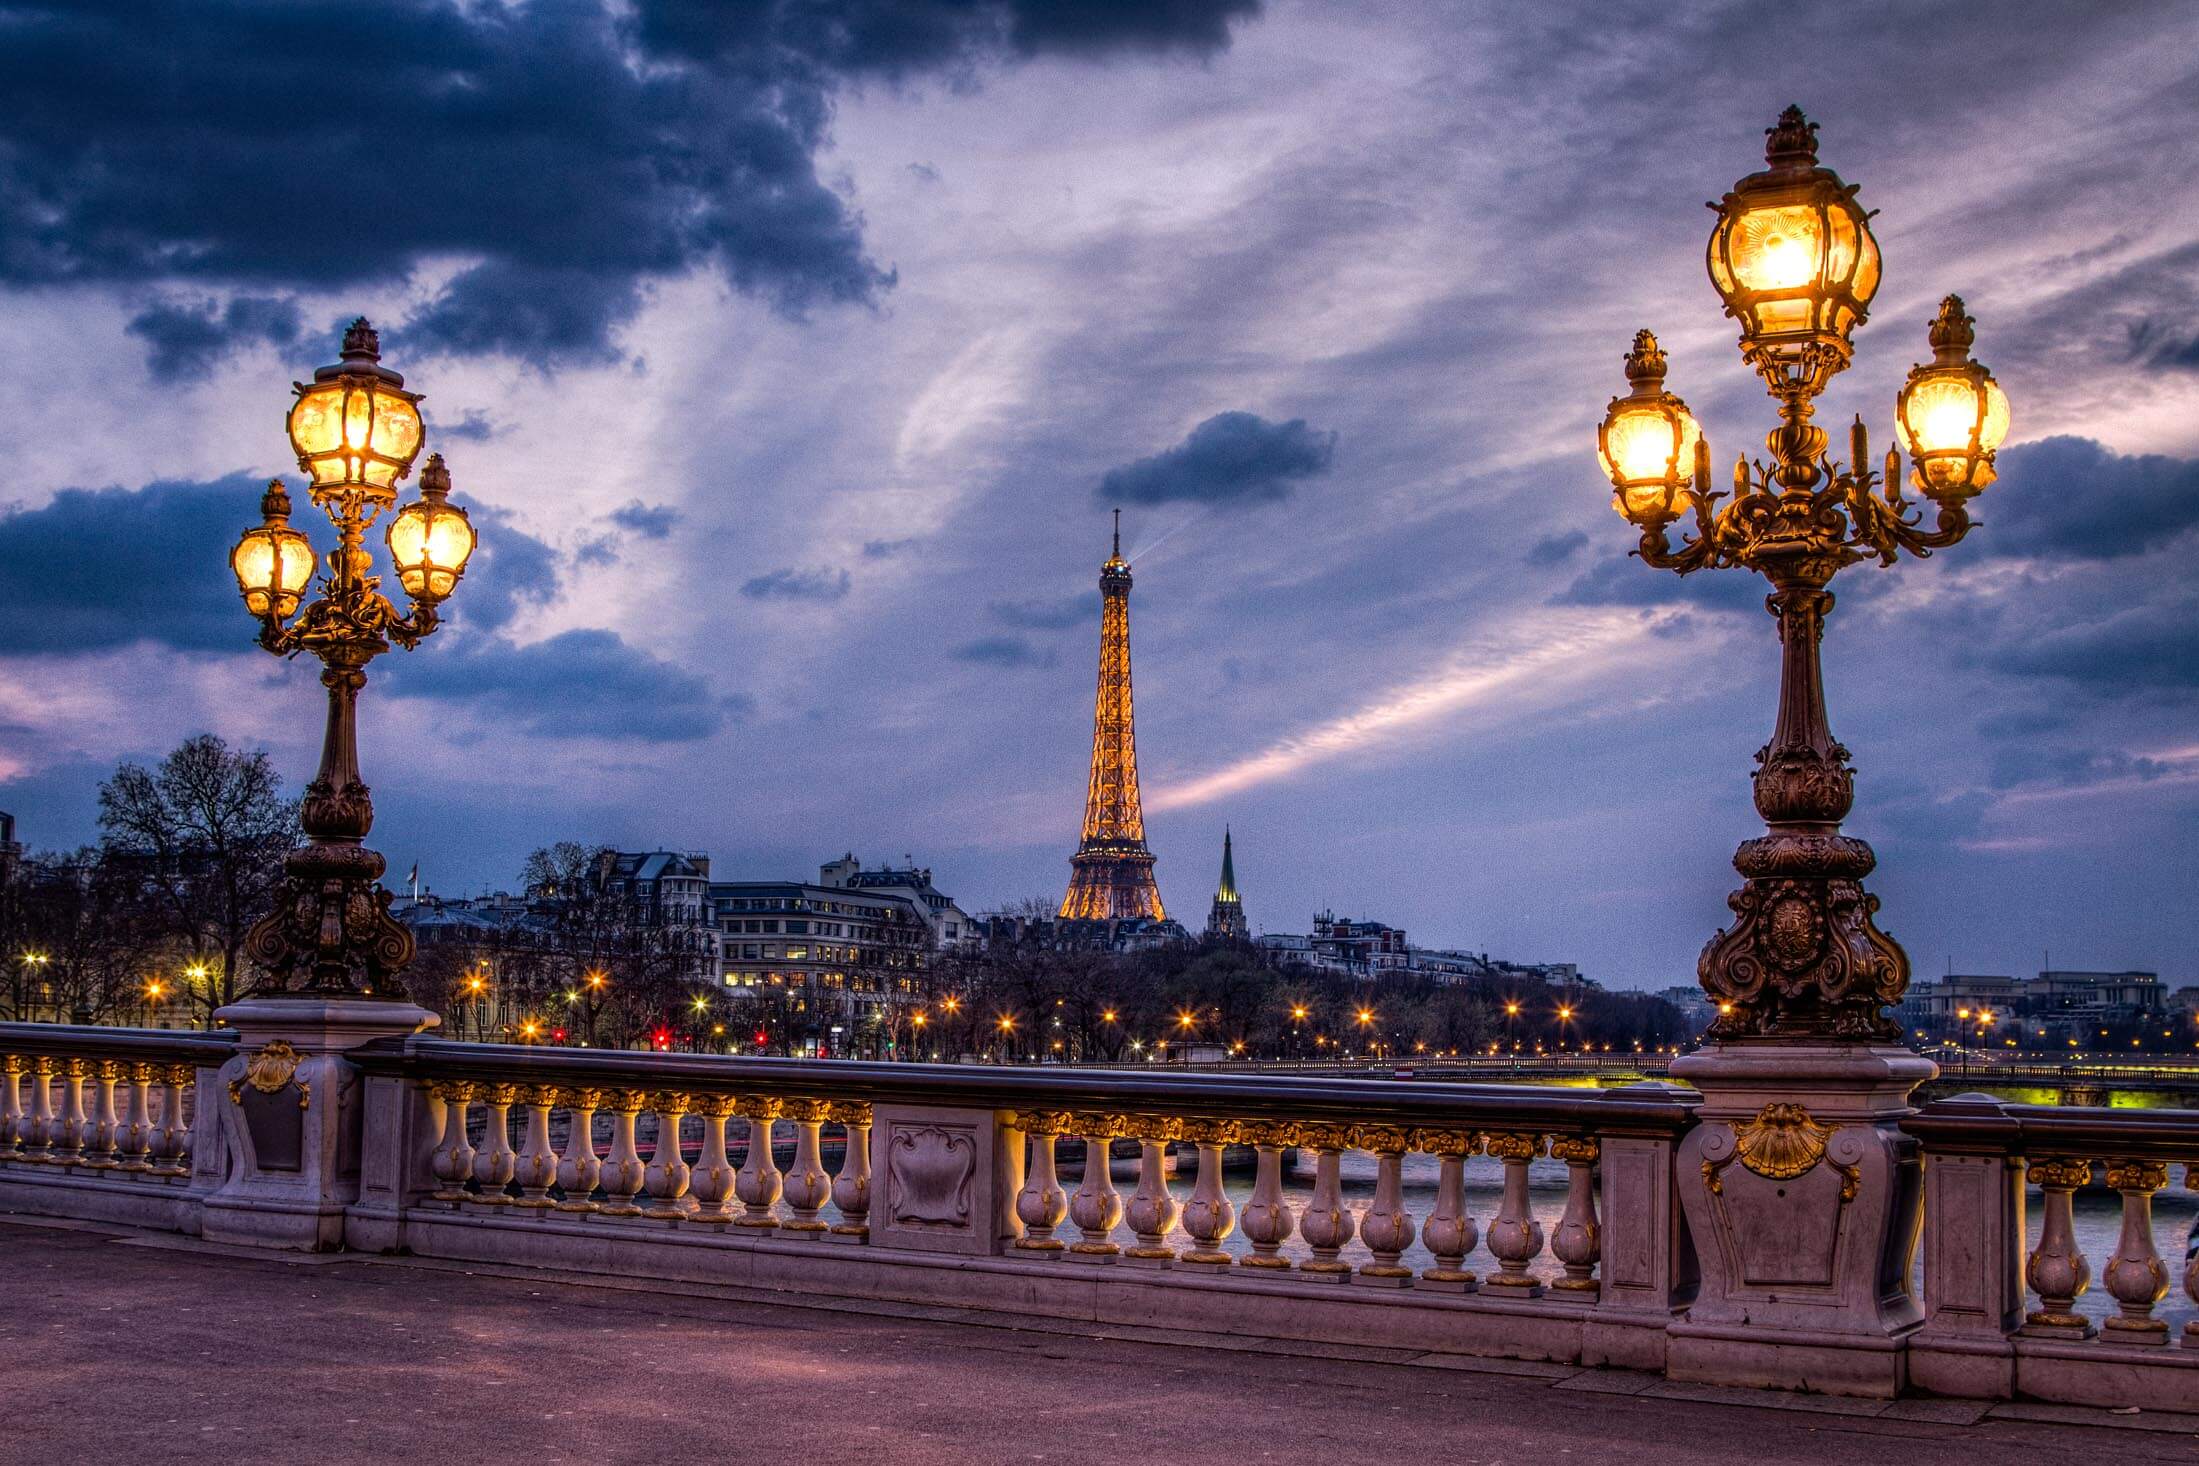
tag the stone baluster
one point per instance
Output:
(536, 1170)
(452, 1159)
(2057, 1269)
(44, 1124)
(758, 1182)
(808, 1184)
(99, 1150)
(1326, 1222)
(172, 1142)
(710, 1180)
(1153, 1208)
(580, 1168)
(2135, 1274)
(496, 1162)
(134, 1132)
(75, 1129)
(1096, 1206)
(1515, 1237)
(2191, 1265)
(1041, 1204)
(1578, 1242)
(11, 1107)
(666, 1176)
(622, 1168)
(1387, 1227)
(1208, 1214)
(851, 1188)
(1267, 1219)
(1450, 1233)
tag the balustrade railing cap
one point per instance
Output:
(1980, 1123)
(96, 1041)
(1668, 1111)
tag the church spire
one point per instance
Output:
(1226, 917)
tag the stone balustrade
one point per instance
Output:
(2001, 1313)
(104, 1120)
(1516, 1221)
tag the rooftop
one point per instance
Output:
(391, 1359)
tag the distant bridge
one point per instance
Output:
(2102, 1084)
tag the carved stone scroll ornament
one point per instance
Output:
(931, 1169)
(267, 1071)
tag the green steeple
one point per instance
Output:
(1226, 917)
(1228, 891)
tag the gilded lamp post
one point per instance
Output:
(356, 431)
(1793, 259)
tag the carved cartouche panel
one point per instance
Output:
(930, 1170)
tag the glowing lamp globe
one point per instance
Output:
(1793, 258)
(274, 562)
(431, 538)
(1951, 415)
(1649, 442)
(354, 427)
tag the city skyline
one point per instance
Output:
(787, 529)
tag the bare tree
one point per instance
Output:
(204, 834)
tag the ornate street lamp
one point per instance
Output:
(1793, 258)
(355, 431)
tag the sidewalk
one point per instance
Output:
(118, 1347)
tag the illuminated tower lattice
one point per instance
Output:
(1112, 872)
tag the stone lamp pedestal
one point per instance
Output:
(1803, 1197)
(290, 1109)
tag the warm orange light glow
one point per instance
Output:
(1108, 1016)
(1185, 1020)
(597, 979)
(952, 1005)
(1365, 1016)
(1298, 1013)
(1007, 1023)
(919, 1020)
(1565, 1012)
(1511, 1010)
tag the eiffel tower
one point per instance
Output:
(1112, 872)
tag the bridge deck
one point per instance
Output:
(127, 1347)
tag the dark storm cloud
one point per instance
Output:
(98, 568)
(472, 426)
(2071, 497)
(894, 38)
(534, 145)
(885, 549)
(1002, 651)
(186, 337)
(1556, 549)
(579, 684)
(2141, 648)
(509, 571)
(649, 521)
(1621, 579)
(1231, 458)
(798, 585)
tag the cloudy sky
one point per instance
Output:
(790, 356)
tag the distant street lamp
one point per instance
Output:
(1793, 258)
(355, 431)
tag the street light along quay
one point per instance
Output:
(1793, 258)
(355, 431)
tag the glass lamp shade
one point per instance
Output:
(1648, 449)
(1793, 258)
(1648, 440)
(354, 427)
(431, 539)
(274, 562)
(1951, 415)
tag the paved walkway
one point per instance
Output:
(117, 1347)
